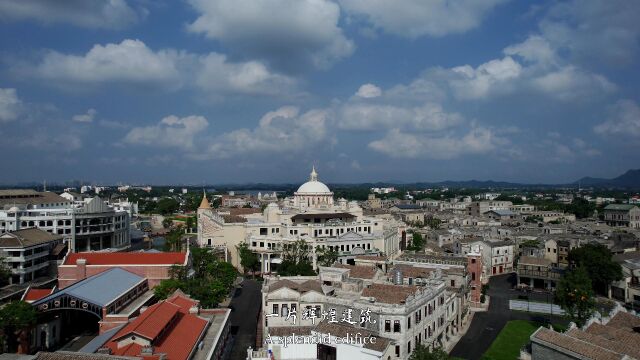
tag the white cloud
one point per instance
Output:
(623, 120)
(109, 14)
(534, 49)
(571, 82)
(132, 62)
(414, 18)
(171, 131)
(129, 61)
(427, 117)
(605, 30)
(10, 105)
(288, 34)
(217, 75)
(284, 130)
(398, 144)
(368, 91)
(49, 140)
(469, 83)
(86, 117)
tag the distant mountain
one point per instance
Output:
(630, 179)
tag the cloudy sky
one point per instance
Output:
(367, 90)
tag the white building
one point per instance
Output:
(311, 215)
(399, 317)
(497, 256)
(87, 225)
(26, 253)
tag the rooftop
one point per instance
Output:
(27, 238)
(101, 289)
(389, 294)
(129, 258)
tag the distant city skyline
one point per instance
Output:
(222, 92)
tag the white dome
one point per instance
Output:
(313, 187)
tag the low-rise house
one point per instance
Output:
(625, 215)
(628, 289)
(497, 256)
(537, 272)
(153, 266)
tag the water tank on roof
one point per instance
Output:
(398, 279)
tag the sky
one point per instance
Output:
(240, 91)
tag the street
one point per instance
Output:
(245, 306)
(486, 326)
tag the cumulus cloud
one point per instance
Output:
(108, 14)
(86, 117)
(172, 131)
(304, 34)
(284, 130)
(605, 30)
(218, 75)
(398, 144)
(415, 18)
(128, 61)
(428, 117)
(624, 120)
(10, 105)
(474, 83)
(368, 91)
(570, 82)
(534, 49)
(133, 62)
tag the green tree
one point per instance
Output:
(248, 259)
(167, 222)
(295, 260)
(421, 352)
(581, 208)
(596, 259)
(173, 239)
(167, 287)
(167, 206)
(16, 319)
(326, 256)
(417, 242)
(5, 272)
(575, 295)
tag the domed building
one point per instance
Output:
(313, 194)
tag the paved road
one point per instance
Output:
(244, 318)
(485, 326)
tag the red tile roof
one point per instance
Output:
(128, 258)
(151, 322)
(182, 330)
(36, 294)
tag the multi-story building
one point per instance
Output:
(497, 256)
(311, 215)
(399, 316)
(626, 215)
(26, 253)
(87, 225)
(480, 207)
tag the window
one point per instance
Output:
(453, 283)
(396, 326)
(275, 309)
(473, 276)
(473, 261)
(387, 326)
(409, 347)
(397, 350)
(284, 311)
(409, 322)
(264, 231)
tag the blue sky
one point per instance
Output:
(220, 91)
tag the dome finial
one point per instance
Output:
(314, 174)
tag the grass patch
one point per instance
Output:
(510, 340)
